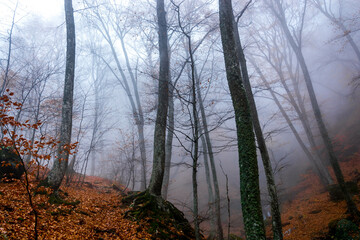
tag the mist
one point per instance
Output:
(117, 74)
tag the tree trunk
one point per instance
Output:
(212, 233)
(169, 140)
(274, 201)
(217, 207)
(249, 173)
(163, 100)
(58, 170)
(289, 122)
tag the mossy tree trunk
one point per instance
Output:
(270, 180)
(249, 173)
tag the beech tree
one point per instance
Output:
(163, 101)
(58, 170)
(249, 173)
(270, 180)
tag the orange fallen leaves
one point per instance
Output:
(99, 215)
(308, 215)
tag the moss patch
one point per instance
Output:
(164, 220)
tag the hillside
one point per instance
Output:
(94, 210)
(310, 211)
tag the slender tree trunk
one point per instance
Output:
(219, 229)
(58, 170)
(249, 173)
(289, 122)
(354, 212)
(274, 201)
(169, 140)
(327, 179)
(163, 100)
(8, 60)
(212, 233)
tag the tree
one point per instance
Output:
(270, 180)
(108, 23)
(281, 60)
(163, 101)
(326, 8)
(58, 170)
(296, 44)
(249, 175)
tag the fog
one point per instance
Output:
(120, 33)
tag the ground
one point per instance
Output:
(94, 210)
(91, 211)
(308, 214)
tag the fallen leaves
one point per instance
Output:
(307, 216)
(99, 215)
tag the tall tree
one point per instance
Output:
(295, 42)
(270, 180)
(249, 173)
(107, 19)
(58, 170)
(163, 101)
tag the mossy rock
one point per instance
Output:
(164, 220)
(56, 198)
(336, 194)
(343, 229)
(234, 237)
(11, 165)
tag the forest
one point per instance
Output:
(180, 119)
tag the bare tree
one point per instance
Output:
(106, 18)
(296, 44)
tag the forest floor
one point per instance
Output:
(94, 210)
(90, 211)
(307, 215)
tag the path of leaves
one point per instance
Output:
(308, 215)
(99, 215)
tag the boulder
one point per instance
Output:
(11, 165)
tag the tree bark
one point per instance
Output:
(249, 173)
(163, 100)
(58, 170)
(274, 201)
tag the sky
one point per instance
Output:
(47, 10)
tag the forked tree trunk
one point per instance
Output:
(249, 173)
(58, 170)
(163, 100)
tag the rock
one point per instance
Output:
(343, 229)
(336, 193)
(11, 165)
(164, 219)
